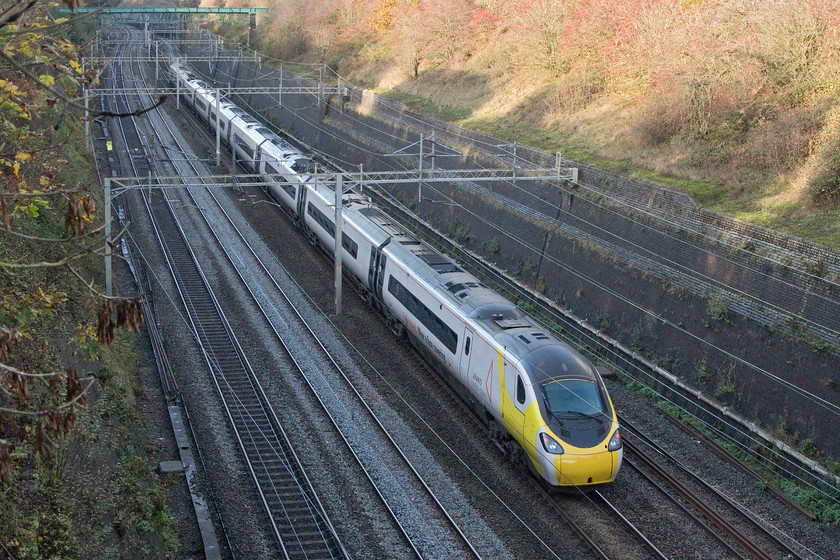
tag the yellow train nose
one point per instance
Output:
(582, 470)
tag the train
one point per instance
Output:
(545, 403)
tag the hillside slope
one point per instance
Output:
(735, 102)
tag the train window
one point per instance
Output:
(290, 189)
(243, 146)
(436, 326)
(520, 390)
(467, 347)
(347, 244)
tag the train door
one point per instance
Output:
(464, 370)
(374, 252)
(514, 400)
(301, 202)
(482, 375)
(380, 274)
(375, 269)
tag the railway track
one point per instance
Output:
(295, 513)
(749, 534)
(588, 536)
(757, 542)
(257, 428)
(746, 541)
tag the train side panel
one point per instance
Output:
(431, 324)
(319, 219)
(479, 370)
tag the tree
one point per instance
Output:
(542, 24)
(41, 90)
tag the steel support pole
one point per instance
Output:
(88, 139)
(108, 279)
(157, 62)
(320, 84)
(514, 162)
(218, 134)
(178, 92)
(339, 187)
(420, 175)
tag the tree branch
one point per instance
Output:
(70, 21)
(74, 101)
(43, 264)
(16, 371)
(91, 233)
(44, 193)
(16, 16)
(91, 380)
(93, 290)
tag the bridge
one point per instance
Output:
(240, 15)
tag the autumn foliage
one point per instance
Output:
(42, 84)
(737, 92)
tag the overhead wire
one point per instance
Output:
(831, 407)
(813, 294)
(768, 449)
(818, 400)
(436, 190)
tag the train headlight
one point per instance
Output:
(551, 445)
(615, 442)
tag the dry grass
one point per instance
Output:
(736, 94)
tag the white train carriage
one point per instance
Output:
(545, 402)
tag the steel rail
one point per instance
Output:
(701, 505)
(517, 290)
(740, 465)
(302, 322)
(170, 386)
(240, 412)
(673, 499)
(326, 353)
(647, 542)
(452, 175)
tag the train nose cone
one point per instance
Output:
(585, 469)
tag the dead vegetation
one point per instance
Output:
(739, 95)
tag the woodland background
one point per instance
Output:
(734, 102)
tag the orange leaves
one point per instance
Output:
(384, 14)
(8, 337)
(129, 314)
(78, 214)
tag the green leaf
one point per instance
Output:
(33, 210)
(47, 79)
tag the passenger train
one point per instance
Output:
(546, 404)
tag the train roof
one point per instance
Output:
(463, 289)
(511, 327)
